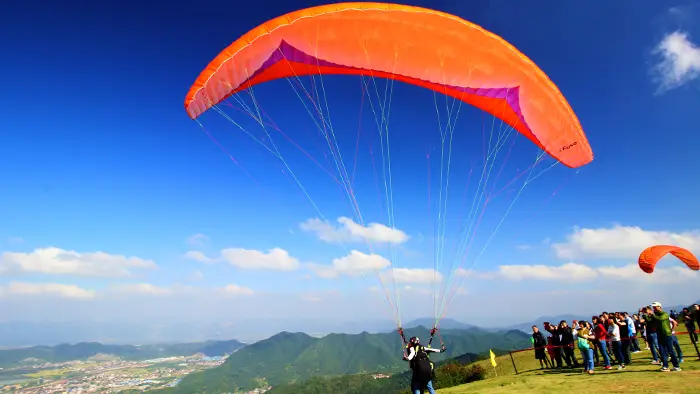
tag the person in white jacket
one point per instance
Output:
(614, 335)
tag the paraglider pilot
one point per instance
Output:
(422, 367)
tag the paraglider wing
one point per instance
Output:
(651, 255)
(419, 46)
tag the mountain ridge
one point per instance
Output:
(83, 350)
(294, 357)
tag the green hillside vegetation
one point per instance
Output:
(84, 350)
(296, 357)
(448, 373)
(451, 376)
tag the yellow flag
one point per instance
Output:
(493, 358)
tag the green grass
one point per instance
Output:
(640, 377)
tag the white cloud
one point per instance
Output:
(198, 256)
(576, 272)
(196, 276)
(197, 240)
(413, 275)
(632, 272)
(142, 288)
(418, 290)
(56, 261)
(51, 289)
(570, 272)
(354, 264)
(232, 289)
(275, 259)
(349, 231)
(679, 61)
(620, 242)
(474, 274)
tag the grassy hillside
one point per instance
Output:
(83, 350)
(367, 383)
(640, 377)
(287, 357)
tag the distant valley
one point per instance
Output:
(85, 350)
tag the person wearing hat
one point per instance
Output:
(422, 367)
(660, 319)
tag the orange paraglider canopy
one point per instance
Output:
(414, 45)
(651, 255)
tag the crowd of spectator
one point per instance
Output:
(609, 339)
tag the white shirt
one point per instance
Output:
(614, 332)
(412, 351)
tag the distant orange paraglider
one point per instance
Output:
(651, 255)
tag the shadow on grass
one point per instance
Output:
(579, 371)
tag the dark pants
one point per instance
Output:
(691, 331)
(557, 356)
(570, 356)
(419, 387)
(677, 347)
(666, 349)
(596, 356)
(626, 351)
(617, 351)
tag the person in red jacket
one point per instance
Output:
(601, 336)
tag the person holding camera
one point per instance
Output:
(660, 320)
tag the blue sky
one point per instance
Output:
(100, 161)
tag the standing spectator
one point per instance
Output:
(585, 344)
(632, 329)
(551, 352)
(614, 336)
(556, 342)
(674, 340)
(624, 337)
(641, 330)
(589, 326)
(652, 337)
(567, 343)
(601, 337)
(540, 345)
(574, 331)
(605, 317)
(688, 320)
(660, 320)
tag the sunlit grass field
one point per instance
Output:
(639, 377)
